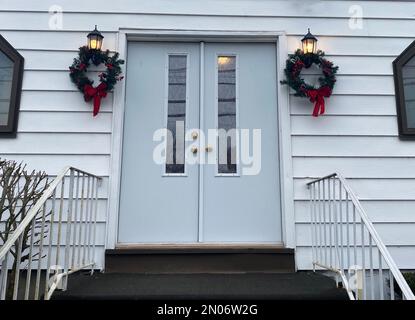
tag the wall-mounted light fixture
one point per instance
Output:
(95, 39)
(309, 43)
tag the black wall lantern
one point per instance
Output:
(95, 39)
(309, 43)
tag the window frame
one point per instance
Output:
(398, 64)
(10, 129)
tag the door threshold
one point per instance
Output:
(166, 246)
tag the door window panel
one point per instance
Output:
(176, 113)
(227, 144)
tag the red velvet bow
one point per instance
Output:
(97, 93)
(317, 96)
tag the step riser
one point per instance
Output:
(199, 263)
(133, 286)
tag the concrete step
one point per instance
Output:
(199, 260)
(129, 286)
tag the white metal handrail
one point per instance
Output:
(57, 236)
(345, 241)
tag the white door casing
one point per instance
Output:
(284, 126)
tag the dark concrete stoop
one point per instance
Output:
(269, 286)
(208, 273)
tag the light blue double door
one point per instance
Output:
(182, 187)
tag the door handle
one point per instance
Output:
(193, 150)
(208, 148)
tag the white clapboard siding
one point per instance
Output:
(378, 188)
(97, 164)
(51, 60)
(357, 46)
(358, 65)
(345, 125)
(56, 143)
(355, 167)
(378, 211)
(50, 80)
(60, 101)
(48, 60)
(379, 85)
(33, 121)
(358, 136)
(293, 8)
(19, 20)
(53, 40)
(401, 255)
(351, 146)
(348, 105)
(392, 234)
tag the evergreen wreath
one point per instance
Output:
(108, 78)
(295, 63)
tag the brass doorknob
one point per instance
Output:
(208, 148)
(193, 150)
(194, 135)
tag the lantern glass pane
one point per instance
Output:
(94, 42)
(309, 46)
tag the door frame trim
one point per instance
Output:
(126, 35)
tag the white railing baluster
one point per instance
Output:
(4, 274)
(335, 226)
(50, 245)
(354, 237)
(75, 221)
(343, 236)
(58, 244)
(348, 234)
(381, 289)
(91, 211)
(320, 210)
(40, 253)
(341, 226)
(327, 224)
(391, 285)
(29, 264)
(95, 220)
(313, 246)
(86, 222)
(372, 283)
(81, 220)
(17, 267)
(362, 231)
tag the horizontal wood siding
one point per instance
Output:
(358, 136)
